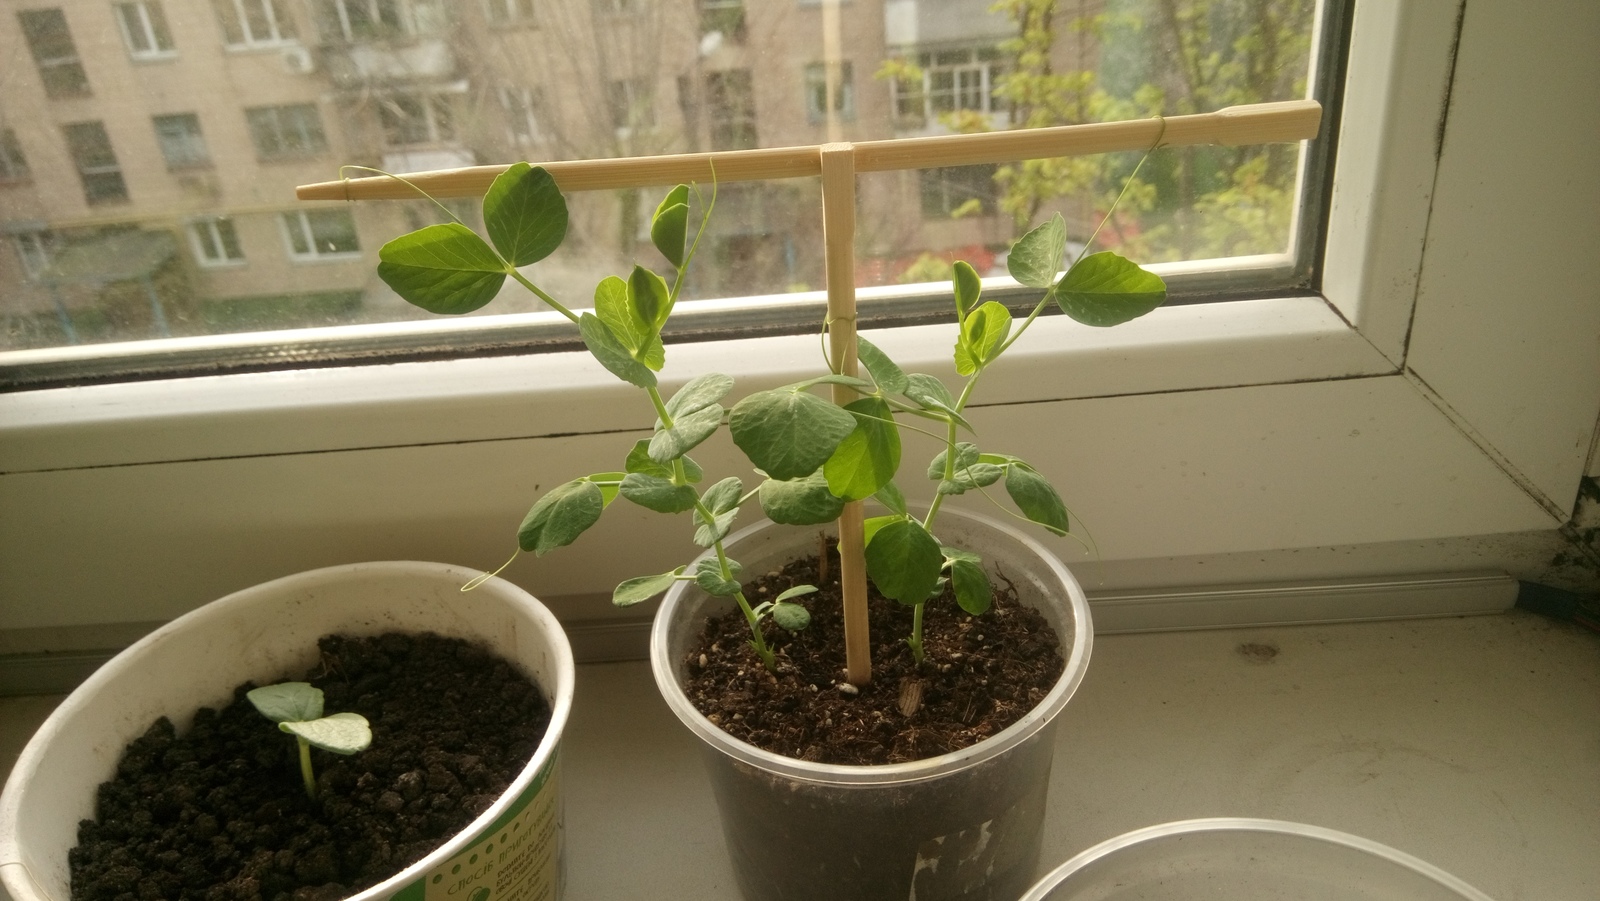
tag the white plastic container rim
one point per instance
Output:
(1077, 661)
(1242, 824)
(14, 871)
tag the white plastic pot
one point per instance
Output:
(964, 825)
(1236, 859)
(267, 633)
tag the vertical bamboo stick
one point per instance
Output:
(839, 234)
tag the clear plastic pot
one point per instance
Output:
(964, 825)
(1230, 859)
(267, 633)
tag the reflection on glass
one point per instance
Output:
(149, 150)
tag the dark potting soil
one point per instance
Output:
(220, 813)
(979, 675)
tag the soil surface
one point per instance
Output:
(220, 813)
(980, 674)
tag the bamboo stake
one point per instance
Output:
(836, 163)
(1260, 123)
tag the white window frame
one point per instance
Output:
(279, 128)
(415, 17)
(439, 114)
(142, 38)
(510, 12)
(522, 106)
(1415, 404)
(985, 71)
(815, 80)
(33, 251)
(298, 224)
(209, 248)
(190, 141)
(277, 34)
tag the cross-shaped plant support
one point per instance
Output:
(838, 164)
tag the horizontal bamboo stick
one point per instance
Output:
(1260, 123)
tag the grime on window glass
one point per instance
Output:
(135, 211)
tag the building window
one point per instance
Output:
(509, 12)
(420, 118)
(633, 103)
(97, 164)
(254, 23)
(215, 242)
(286, 132)
(34, 250)
(320, 235)
(524, 108)
(950, 81)
(144, 30)
(54, 53)
(614, 7)
(13, 165)
(365, 20)
(957, 191)
(725, 17)
(182, 144)
(731, 109)
(843, 106)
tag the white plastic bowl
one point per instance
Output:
(1243, 860)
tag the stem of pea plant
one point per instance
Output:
(305, 767)
(915, 641)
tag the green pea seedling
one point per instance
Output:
(297, 709)
(813, 456)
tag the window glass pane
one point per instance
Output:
(407, 85)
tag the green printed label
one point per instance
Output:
(517, 859)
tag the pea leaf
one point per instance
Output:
(967, 288)
(890, 496)
(669, 227)
(971, 586)
(978, 475)
(1036, 498)
(787, 433)
(612, 354)
(658, 494)
(610, 484)
(1105, 289)
(558, 518)
(667, 445)
(799, 502)
(525, 214)
(701, 392)
(889, 377)
(643, 588)
(794, 592)
(982, 333)
(928, 391)
(611, 306)
(792, 617)
(287, 701)
(708, 575)
(904, 561)
(872, 524)
(722, 499)
(1036, 257)
(966, 455)
(867, 458)
(648, 298)
(341, 733)
(442, 269)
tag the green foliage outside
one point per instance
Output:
(1142, 58)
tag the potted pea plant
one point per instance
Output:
(956, 811)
